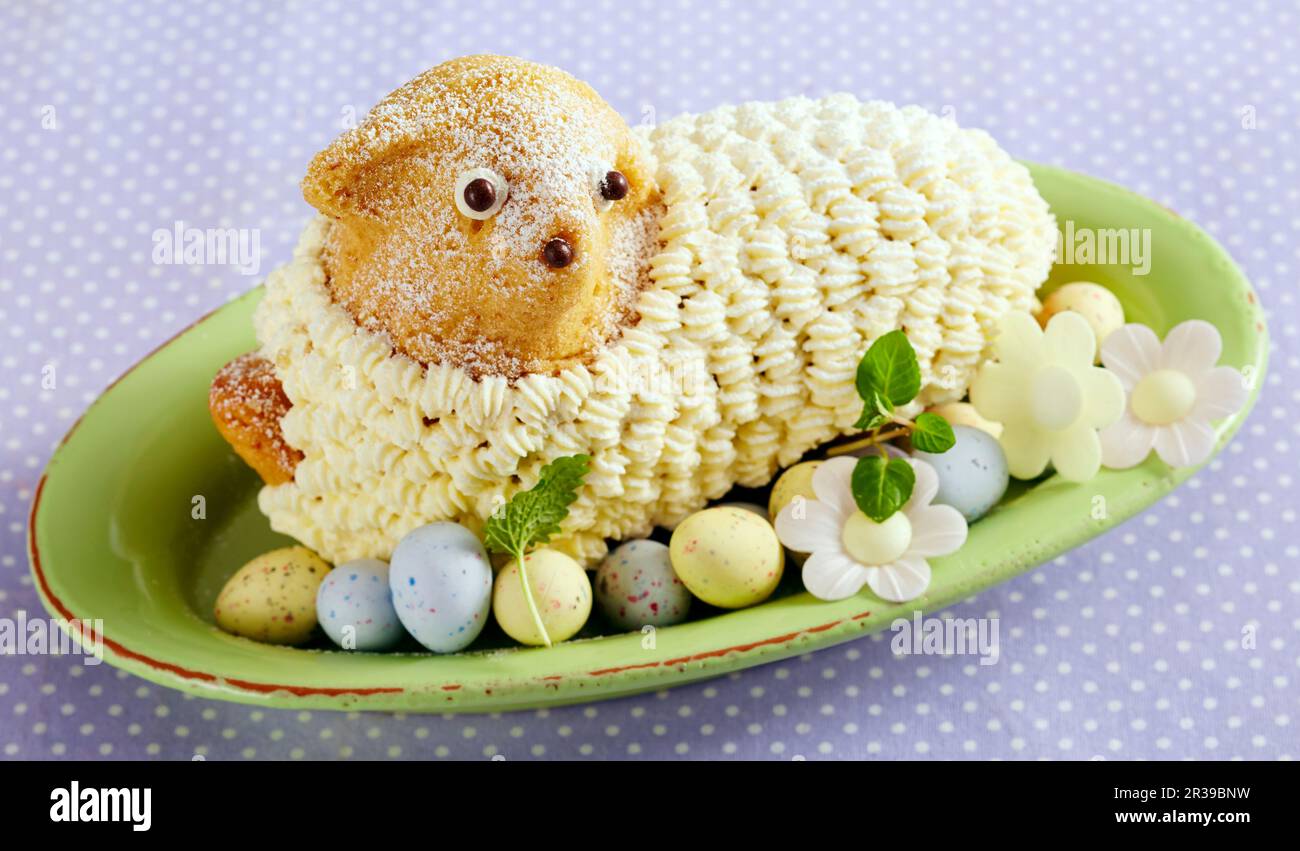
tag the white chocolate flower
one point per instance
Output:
(1048, 396)
(1174, 391)
(850, 550)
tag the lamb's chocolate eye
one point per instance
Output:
(607, 185)
(480, 192)
(557, 253)
(614, 186)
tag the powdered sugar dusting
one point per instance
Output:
(543, 140)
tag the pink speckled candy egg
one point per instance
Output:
(636, 587)
(727, 556)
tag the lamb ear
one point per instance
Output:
(338, 181)
(328, 180)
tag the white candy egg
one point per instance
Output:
(442, 586)
(355, 606)
(973, 474)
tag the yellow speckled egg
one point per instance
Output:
(273, 597)
(727, 556)
(561, 591)
(1093, 302)
(964, 413)
(796, 481)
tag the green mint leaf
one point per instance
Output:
(870, 420)
(533, 516)
(889, 368)
(881, 487)
(932, 434)
(875, 413)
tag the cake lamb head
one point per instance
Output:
(489, 213)
(504, 273)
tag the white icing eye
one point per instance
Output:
(480, 192)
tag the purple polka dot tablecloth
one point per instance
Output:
(1176, 635)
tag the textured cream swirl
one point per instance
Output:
(795, 233)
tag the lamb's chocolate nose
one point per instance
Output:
(558, 253)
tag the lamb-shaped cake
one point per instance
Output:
(504, 272)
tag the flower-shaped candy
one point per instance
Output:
(1048, 396)
(850, 550)
(1174, 391)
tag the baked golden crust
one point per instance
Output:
(247, 401)
(447, 288)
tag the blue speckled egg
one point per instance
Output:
(972, 475)
(636, 587)
(355, 606)
(442, 586)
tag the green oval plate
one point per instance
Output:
(112, 534)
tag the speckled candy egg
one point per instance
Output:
(1093, 302)
(796, 481)
(442, 586)
(273, 597)
(561, 592)
(728, 557)
(964, 413)
(636, 586)
(972, 474)
(355, 606)
(752, 507)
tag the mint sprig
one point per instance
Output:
(889, 377)
(533, 517)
